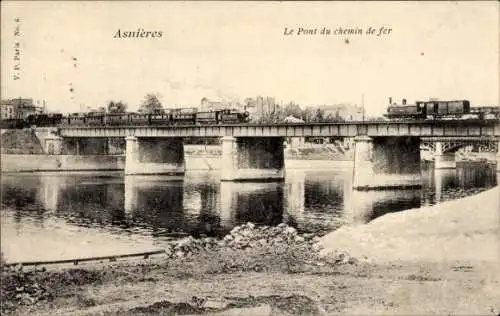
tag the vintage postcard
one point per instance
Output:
(250, 158)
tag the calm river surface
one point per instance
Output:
(48, 216)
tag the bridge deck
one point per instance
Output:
(443, 128)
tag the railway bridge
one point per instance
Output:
(444, 149)
(387, 153)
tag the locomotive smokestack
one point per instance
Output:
(390, 100)
(404, 101)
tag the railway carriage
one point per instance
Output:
(186, 116)
(159, 119)
(95, 120)
(42, 120)
(138, 119)
(74, 119)
(206, 118)
(446, 109)
(430, 110)
(487, 112)
(116, 119)
(13, 124)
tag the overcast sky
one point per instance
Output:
(447, 50)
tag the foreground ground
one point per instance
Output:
(203, 286)
(264, 271)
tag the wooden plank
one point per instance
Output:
(78, 260)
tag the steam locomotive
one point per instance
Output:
(168, 117)
(435, 109)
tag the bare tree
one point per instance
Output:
(293, 109)
(116, 107)
(151, 104)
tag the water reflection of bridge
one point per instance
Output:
(364, 206)
(444, 180)
(251, 202)
(164, 205)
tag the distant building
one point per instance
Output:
(260, 107)
(20, 108)
(8, 110)
(348, 112)
(211, 105)
(250, 106)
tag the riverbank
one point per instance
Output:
(60, 163)
(463, 229)
(23, 141)
(275, 271)
(70, 163)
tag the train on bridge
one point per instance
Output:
(421, 110)
(443, 110)
(187, 116)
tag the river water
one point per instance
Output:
(49, 216)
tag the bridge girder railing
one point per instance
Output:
(465, 129)
(451, 144)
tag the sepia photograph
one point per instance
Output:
(250, 158)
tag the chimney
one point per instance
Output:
(390, 100)
(404, 101)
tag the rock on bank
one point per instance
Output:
(465, 229)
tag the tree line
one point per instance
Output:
(150, 104)
(278, 113)
(271, 111)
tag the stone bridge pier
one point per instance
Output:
(443, 159)
(252, 158)
(498, 156)
(386, 162)
(154, 156)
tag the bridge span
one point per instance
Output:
(475, 128)
(444, 149)
(386, 154)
